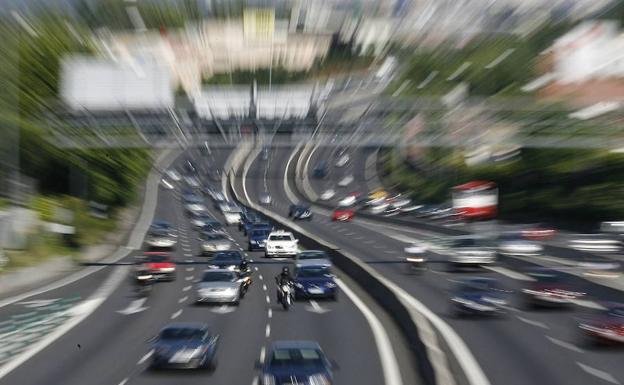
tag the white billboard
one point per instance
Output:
(98, 84)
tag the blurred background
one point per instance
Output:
(525, 96)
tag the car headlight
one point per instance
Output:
(318, 379)
(300, 286)
(330, 285)
(268, 379)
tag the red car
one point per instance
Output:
(160, 265)
(605, 326)
(343, 214)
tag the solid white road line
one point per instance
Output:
(287, 189)
(267, 331)
(189, 278)
(176, 314)
(533, 323)
(389, 364)
(187, 288)
(190, 269)
(145, 357)
(598, 373)
(564, 344)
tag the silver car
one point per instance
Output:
(212, 242)
(219, 286)
(470, 250)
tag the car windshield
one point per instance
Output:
(470, 242)
(312, 255)
(213, 237)
(313, 271)
(157, 258)
(296, 357)
(616, 312)
(219, 276)
(182, 333)
(227, 256)
(260, 233)
(280, 238)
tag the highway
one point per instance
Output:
(111, 345)
(526, 346)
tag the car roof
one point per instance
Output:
(294, 344)
(281, 232)
(186, 325)
(312, 263)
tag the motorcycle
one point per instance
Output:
(416, 258)
(286, 295)
(144, 283)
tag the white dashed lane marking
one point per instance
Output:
(145, 357)
(598, 373)
(176, 314)
(534, 323)
(187, 288)
(267, 331)
(182, 299)
(565, 345)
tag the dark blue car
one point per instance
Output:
(478, 296)
(296, 362)
(185, 346)
(314, 280)
(257, 238)
(247, 219)
(300, 211)
(229, 259)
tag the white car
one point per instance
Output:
(347, 201)
(379, 208)
(342, 161)
(192, 181)
(327, 195)
(347, 180)
(281, 243)
(173, 175)
(194, 208)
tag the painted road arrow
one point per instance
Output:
(314, 307)
(134, 307)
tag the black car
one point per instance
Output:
(299, 211)
(246, 219)
(296, 362)
(230, 260)
(320, 170)
(185, 346)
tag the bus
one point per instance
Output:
(475, 200)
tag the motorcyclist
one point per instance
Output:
(283, 278)
(143, 278)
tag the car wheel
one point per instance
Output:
(249, 248)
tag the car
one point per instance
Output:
(281, 243)
(605, 325)
(212, 242)
(185, 346)
(161, 236)
(376, 196)
(300, 211)
(192, 208)
(265, 199)
(200, 218)
(317, 256)
(218, 198)
(399, 201)
(188, 197)
(160, 265)
(514, 244)
(257, 238)
(212, 226)
(219, 286)
(347, 180)
(232, 215)
(320, 170)
(229, 260)
(173, 175)
(470, 251)
(328, 194)
(192, 182)
(416, 256)
(296, 362)
(246, 219)
(597, 243)
(343, 213)
(342, 161)
(314, 280)
(549, 288)
(348, 200)
(478, 296)
(379, 208)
